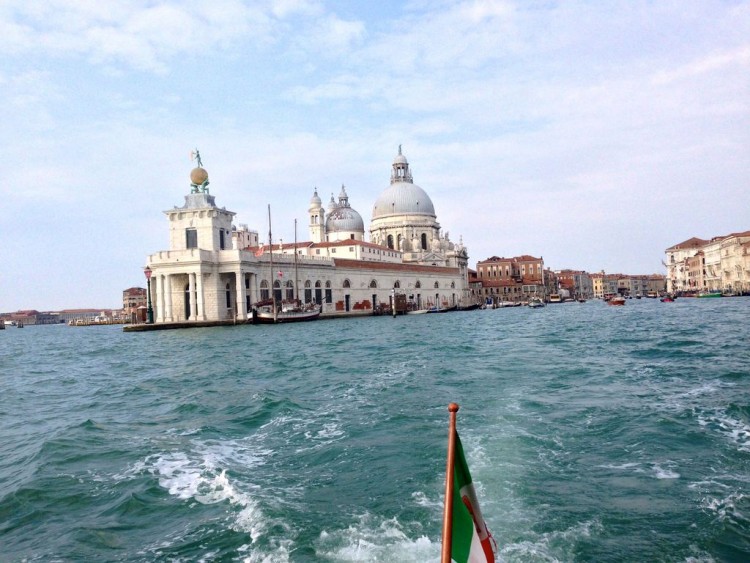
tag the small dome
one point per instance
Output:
(344, 219)
(198, 176)
(315, 201)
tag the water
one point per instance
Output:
(593, 433)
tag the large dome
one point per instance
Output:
(403, 198)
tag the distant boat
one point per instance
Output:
(289, 312)
(667, 299)
(652, 294)
(536, 303)
(709, 293)
(617, 300)
(442, 309)
(555, 298)
(417, 311)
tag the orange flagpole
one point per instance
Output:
(445, 556)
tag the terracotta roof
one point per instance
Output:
(694, 242)
(395, 267)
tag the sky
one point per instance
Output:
(594, 134)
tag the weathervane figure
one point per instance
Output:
(198, 176)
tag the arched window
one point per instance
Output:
(308, 291)
(277, 290)
(289, 289)
(418, 284)
(453, 285)
(390, 241)
(424, 241)
(437, 285)
(347, 284)
(318, 292)
(397, 284)
(329, 293)
(374, 284)
(264, 293)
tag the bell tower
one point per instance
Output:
(317, 218)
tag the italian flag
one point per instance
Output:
(471, 541)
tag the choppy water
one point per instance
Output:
(594, 433)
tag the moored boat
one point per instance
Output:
(292, 312)
(617, 300)
(442, 309)
(708, 293)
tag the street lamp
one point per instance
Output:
(149, 309)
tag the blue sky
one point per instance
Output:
(594, 134)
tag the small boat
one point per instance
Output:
(555, 298)
(617, 300)
(667, 299)
(289, 312)
(471, 307)
(709, 293)
(417, 311)
(442, 309)
(536, 303)
(271, 311)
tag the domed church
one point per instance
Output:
(341, 222)
(403, 218)
(214, 272)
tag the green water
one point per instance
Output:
(593, 433)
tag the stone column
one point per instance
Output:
(168, 298)
(241, 301)
(159, 303)
(200, 311)
(193, 299)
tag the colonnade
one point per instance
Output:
(166, 287)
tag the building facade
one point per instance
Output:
(213, 271)
(511, 279)
(719, 264)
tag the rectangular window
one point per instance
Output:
(329, 296)
(221, 239)
(317, 251)
(191, 238)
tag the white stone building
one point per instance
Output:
(213, 271)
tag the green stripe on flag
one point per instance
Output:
(463, 523)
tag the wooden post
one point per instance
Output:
(445, 556)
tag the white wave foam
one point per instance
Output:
(371, 539)
(738, 431)
(726, 508)
(664, 473)
(554, 546)
(630, 465)
(202, 477)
